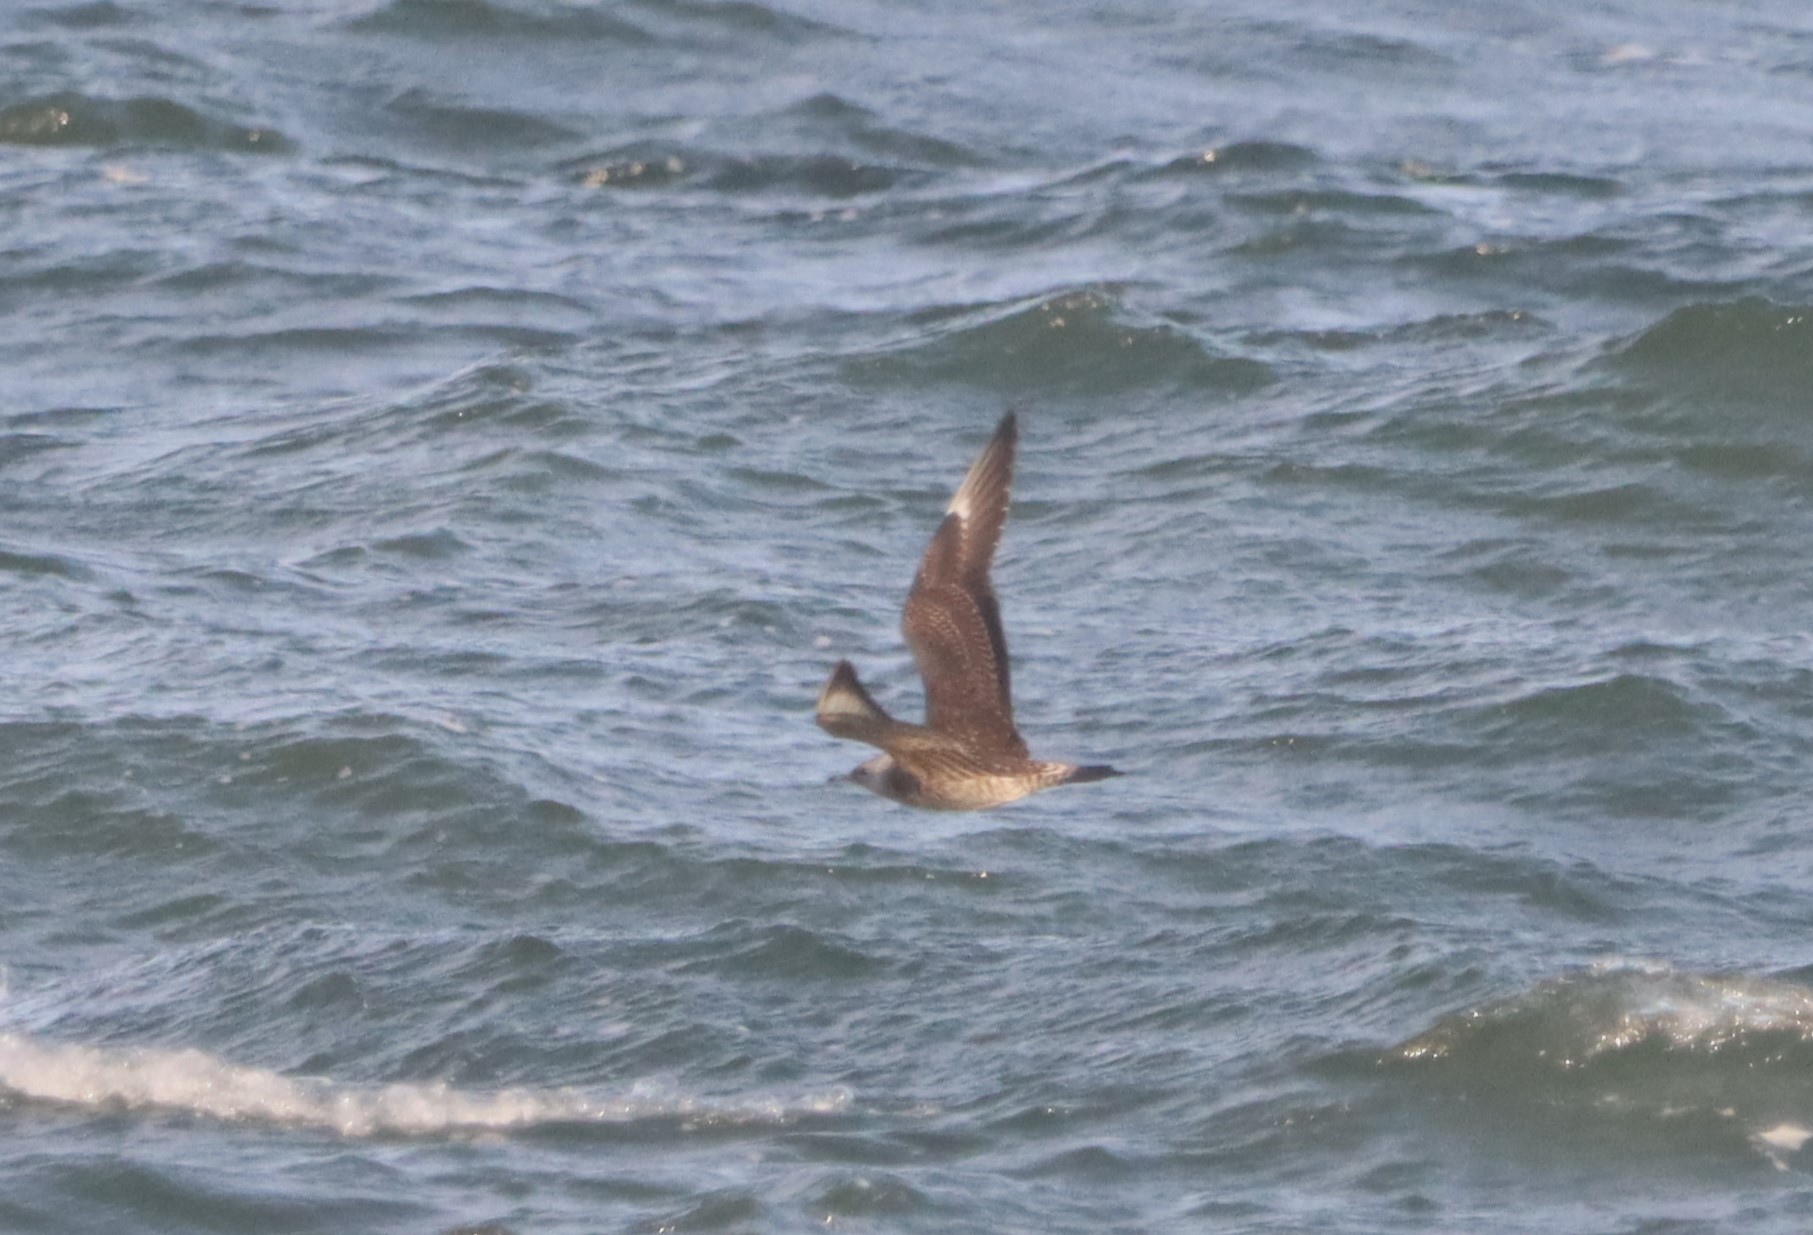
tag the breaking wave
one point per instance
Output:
(1705, 1058)
(190, 1081)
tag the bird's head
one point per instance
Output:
(873, 774)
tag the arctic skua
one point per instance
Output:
(967, 755)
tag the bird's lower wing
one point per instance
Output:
(954, 636)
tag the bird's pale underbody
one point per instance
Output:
(967, 755)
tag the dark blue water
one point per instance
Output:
(444, 445)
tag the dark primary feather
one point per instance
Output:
(982, 501)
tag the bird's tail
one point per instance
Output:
(845, 709)
(1094, 771)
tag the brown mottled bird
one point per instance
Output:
(967, 755)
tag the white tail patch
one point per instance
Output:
(840, 700)
(845, 699)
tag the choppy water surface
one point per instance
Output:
(445, 443)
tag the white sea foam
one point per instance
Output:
(1617, 1005)
(1562, 1026)
(200, 1083)
(1706, 1011)
(1781, 1141)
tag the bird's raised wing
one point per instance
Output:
(952, 620)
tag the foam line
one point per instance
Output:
(195, 1081)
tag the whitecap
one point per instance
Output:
(200, 1083)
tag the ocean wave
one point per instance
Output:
(794, 953)
(1728, 1056)
(628, 25)
(1083, 339)
(71, 119)
(1569, 1023)
(466, 127)
(25, 562)
(734, 21)
(196, 1082)
(822, 173)
(493, 19)
(823, 145)
(1241, 156)
(1724, 357)
(1624, 711)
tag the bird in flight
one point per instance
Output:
(967, 755)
